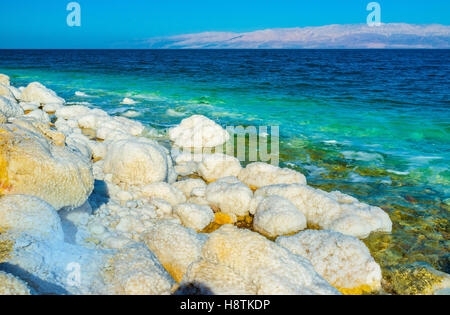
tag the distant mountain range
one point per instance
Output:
(392, 35)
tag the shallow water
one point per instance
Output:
(371, 123)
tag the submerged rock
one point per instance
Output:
(415, 279)
(344, 261)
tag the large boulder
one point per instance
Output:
(9, 107)
(243, 261)
(30, 164)
(175, 246)
(197, 132)
(137, 161)
(29, 214)
(36, 92)
(344, 261)
(55, 267)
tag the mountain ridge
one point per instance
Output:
(391, 35)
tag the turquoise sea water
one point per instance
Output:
(371, 123)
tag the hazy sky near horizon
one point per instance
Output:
(104, 23)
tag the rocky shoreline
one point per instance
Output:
(90, 205)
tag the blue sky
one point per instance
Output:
(42, 23)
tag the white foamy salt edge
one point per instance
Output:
(81, 94)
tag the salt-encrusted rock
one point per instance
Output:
(218, 165)
(5, 91)
(164, 191)
(39, 128)
(36, 92)
(39, 115)
(332, 211)
(4, 79)
(344, 261)
(263, 266)
(128, 101)
(79, 142)
(198, 131)
(10, 285)
(51, 107)
(72, 112)
(201, 279)
(194, 216)
(230, 196)
(163, 208)
(28, 107)
(260, 174)
(55, 267)
(188, 185)
(30, 164)
(136, 271)
(98, 149)
(10, 108)
(117, 128)
(137, 161)
(29, 214)
(15, 91)
(276, 216)
(175, 246)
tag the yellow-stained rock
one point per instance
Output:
(31, 165)
(10, 285)
(361, 290)
(223, 218)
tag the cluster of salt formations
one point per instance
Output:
(83, 190)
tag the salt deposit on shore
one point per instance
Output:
(82, 189)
